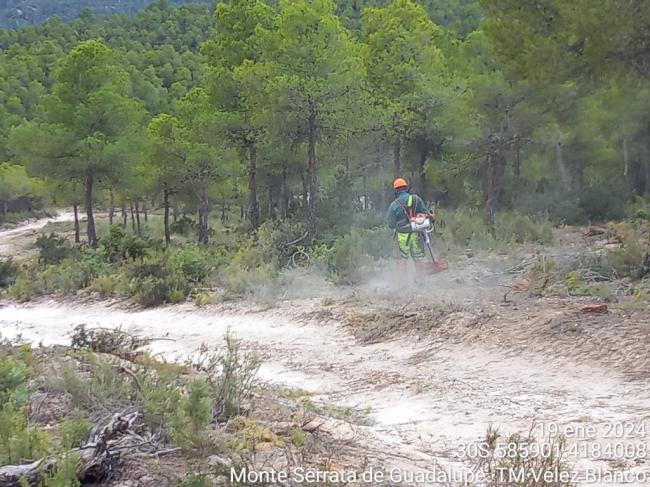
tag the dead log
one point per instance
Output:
(594, 308)
(96, 458)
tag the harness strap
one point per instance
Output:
(409, 209)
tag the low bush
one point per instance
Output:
(74, 274)
(466, 227)
(26, 287)
(63, 473)
(18, 440)
(236, 379)
(107, 285)
(494, 465)
(118, 246)
(519, 228)
(53, 248)
(349, 259)
(9, 272)
(632, 258)
(13, 378)
(74, 432)
(576, 286)
(278, 240)
(183, 226)
(242, 280)
(190, 261)
(194, 415)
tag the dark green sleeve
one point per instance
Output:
(390, 216)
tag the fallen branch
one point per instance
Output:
(96, 459)
(132, 375)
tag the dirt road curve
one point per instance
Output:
(15, 241)
(425, 397)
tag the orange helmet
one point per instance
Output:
(400, 183)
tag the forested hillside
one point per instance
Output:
(304, 111)
(19, 13)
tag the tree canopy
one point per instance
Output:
(305, 110)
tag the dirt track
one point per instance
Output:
(15, 242)
(509, 365)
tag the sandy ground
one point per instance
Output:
(16, 241)
(426, 395)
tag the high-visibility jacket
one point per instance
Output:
(397, 217)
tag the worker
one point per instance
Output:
(401, 212)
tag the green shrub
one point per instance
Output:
(464, 227)
(348, 259)
(106, 388)
(183, 226)
(377, 242)
(106, 285)
(160, 396)
(151, 282)
(205, 299)
(642, 214)
(189, 261)
(74, 433)
(632, 259)
(278, 240)
(26, 287)
(64, 472)
(604, 201)
(52, 249)
(119, 246)
(9, 272)
(519, 228)
(74, 274)
(194, 479)
(577, 287)
(243, 280)
(298, 437)
(13, 376)
(237, 377)
(20, 442)
(194, 415)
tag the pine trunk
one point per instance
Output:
(111, 209)
(204, 214)
(311, 170)
(559, 160)
(647, 168)
(88, 201)
(424, 152)
(168, 234)
(305, 196)
(285, 191)
(77, 229)
(253, 209)
(137, 215)
(132, 215)
(124, 214)
(397, 156)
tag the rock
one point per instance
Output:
(218, 461)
